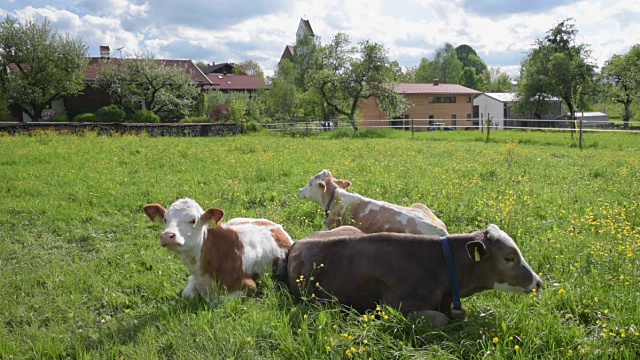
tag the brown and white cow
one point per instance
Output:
(226, 258)
(370, 216)
(406, 271)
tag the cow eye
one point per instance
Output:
(509, 259)
(192, 222)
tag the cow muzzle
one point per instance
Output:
(169, 239)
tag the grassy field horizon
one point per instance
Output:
(84, 276)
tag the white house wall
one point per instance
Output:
(489, 107)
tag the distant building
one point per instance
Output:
(448, 105)
(304, 28)
(499, 107)
(236, 83)
(590, 118)
(213, 68)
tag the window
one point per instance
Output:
(453, 120)
(468, 116)
(469, 99)
(454, 116)
(442, 99)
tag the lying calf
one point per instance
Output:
(405, 271)
(228, 257)
(370, 216)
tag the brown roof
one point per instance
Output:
(288, 52)
(187, 65)
(408, 88)
(235, 82)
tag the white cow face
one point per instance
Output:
(316, 187)
(185, 224)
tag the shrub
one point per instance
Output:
(60, 117)
(86, 117)
(145, 116)
(251, 126)
(195, 120)
(219, 113)
(110, 113)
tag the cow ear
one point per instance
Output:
(344, 184)
(212, 214)
(476, 250)
(155, 212)
(322, 186)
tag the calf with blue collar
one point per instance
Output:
(408, 272)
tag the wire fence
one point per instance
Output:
(419, 125)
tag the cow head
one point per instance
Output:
(185, 224)
(501, 264)
(319, 186)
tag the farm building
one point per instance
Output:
(499, 107)
(448, 104)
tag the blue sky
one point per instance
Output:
(501, 31)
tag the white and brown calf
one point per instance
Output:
(406, 271)
(225, 257)
(369, 215)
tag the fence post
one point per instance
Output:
(488, 127)
(580, 136)
(412, 130)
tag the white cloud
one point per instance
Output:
(409, 29)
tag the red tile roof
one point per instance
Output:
(235, 82)
(408, 88)
(187, 65)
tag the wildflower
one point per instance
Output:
(305, 316)
(362, 350)
(328, 348)
(365, 342)
(495, 340)
(570, 352)
(517, 348)
(313, 296)
(561, 292)
(249, 339)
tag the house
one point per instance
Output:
(92, 99)
(430, 104)
(235, 83)
(213, 68)
(499, 107)
(304, 28)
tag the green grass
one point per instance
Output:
(83, 275)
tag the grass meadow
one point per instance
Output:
(84, 277)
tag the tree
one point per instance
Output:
(38, 65)
(470, 79)
(563, 68)
(533, 89)
(621, 80)
(498, 80)
(349, 74)
(305, 59)
(248, 67)
(470, 59)
(425, 72)
(400, 75)
(446, 65)
(144, 83)
(282, 99)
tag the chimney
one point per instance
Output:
(104, 51)
(436, 82)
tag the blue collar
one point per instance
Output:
(451, 269)
(326, 209)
